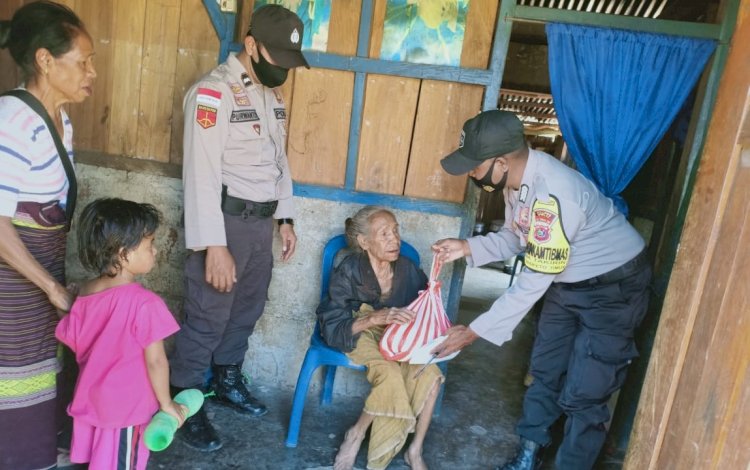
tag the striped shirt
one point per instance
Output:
(30, 168)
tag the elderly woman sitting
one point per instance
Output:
(367, 292)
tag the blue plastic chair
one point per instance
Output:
(319, 353)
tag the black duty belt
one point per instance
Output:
(235, 206)
(625, 270)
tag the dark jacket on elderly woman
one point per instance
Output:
(353, 283)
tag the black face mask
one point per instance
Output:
(485, 182)
(269, 75)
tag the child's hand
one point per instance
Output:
(177, 411)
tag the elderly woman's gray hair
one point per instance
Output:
(359, 224)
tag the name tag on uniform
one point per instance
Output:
(244, 115)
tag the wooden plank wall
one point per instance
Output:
(407, 125)
(386, 130)
(695, 402)
(148, 52)
(443, 109)
(403, 142)
(9, 74)
(321, 107)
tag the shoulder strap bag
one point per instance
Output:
(37, 106)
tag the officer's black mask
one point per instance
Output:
(485, 182)
(269, 75)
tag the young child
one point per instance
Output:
(116, 328)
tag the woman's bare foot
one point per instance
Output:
(413, 458)
(348, 450)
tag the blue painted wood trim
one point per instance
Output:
(358, 98)
(459, 270)
(355, 131)
(397, 202)
(401, 69)
(365, 27)
(388, 67)
(224, 24)
(499, 52)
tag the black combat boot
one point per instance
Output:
(528, 457)
(229, 386)
(197, 431)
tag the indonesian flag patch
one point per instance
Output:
(208, 101)
(208, 96)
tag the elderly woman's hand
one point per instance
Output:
(388, 316)
(384, 316)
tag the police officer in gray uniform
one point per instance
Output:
(587, 261)
(236, 182)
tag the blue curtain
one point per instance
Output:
(616, 93)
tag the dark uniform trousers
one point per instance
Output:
(217, 325)
(580, 357)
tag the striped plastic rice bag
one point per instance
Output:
(430, 322)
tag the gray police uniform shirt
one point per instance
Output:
(600, 239)
(235, 134)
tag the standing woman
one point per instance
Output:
(54, 52)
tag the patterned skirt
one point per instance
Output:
(396, 398)
(28, 356)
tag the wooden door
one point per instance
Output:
(694, 410)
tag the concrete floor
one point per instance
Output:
(475, 428)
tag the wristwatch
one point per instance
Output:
(286, 221)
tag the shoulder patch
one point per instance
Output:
(547, 246)
(208, 97)
(242, 100)
(236, 88)
(522, 221)
(205, 116)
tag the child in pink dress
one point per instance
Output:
(116, 328)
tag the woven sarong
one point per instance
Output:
(28, 355)
(396, 398)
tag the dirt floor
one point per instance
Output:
(474, 429)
